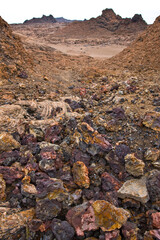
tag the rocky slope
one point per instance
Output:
(80, 150)
(13, 57)
(43, 19)
(143, 54)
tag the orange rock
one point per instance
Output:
(80, 174)
(109, 217)
(2, 188)
(7, 142)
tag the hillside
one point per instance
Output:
(13, 57)
(105, 24)
(144, 52)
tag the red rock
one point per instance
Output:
(82, 218)
(114, 235)
(130, 231)
(155, 233)
(10, 174)
(110, 183)
(156, 219)
(53, 132)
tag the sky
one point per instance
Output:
(17, 11)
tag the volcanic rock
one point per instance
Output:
(13, 220)
(108, 217)
(134, 165)
(136, 189)
(2, 188)
(80, 174)
(153, 185)
(82, 218)
(47, 209)
(62, 230)
(152, 154)
(7, 142)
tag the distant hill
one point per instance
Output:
(43, 19)
(107, 22)
(63, 20)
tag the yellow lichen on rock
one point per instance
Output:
(109, 217)
(80, 174)
(7, 142)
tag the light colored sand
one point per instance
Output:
(93, 51)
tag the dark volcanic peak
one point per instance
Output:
(43, 19)
(113, 22)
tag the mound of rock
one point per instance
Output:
(13, 57)
(143, 54)
(43, 19)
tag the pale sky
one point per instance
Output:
(17, 11)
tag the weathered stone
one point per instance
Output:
(134, 165)
(7, 142)
(37, 133)
(136, 189)
(148, 236)
(155, 233)
(28, 139)
(114, 235)
(80, 174)
(28, 190)
(108, 217)
(12, 220)
(10, 174)
(91, 141)
(78, 155)
(47, 209)
(156, 220)
(2, 188)
(152, 120)
(53, 132)
(130, 231)
(35, 224)
(153, 185)
(62, 230)
(109, 183)
(82, 218)
(152, 154)
(50, 161)
(8, 158)
(156, 164)
(112, 126)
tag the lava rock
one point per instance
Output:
(7, 142)
(134, 165)
(136, 189)
(47, 209)
(62, 230)
(80, 174)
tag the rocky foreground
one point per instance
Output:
(79, 167)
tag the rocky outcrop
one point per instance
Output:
(43, 19)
